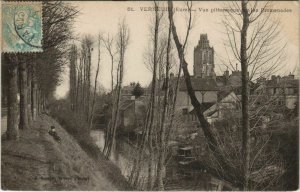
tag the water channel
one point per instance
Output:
(121, 156)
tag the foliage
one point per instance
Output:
(137, 90)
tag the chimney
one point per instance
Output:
(273, 77)
(291, 76)
(226, 73)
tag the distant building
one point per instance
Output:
(132, 115)
(203, 81)
(206, 91)
(204, 58)
(227, 102)
(282, 91)
(127, 91)
(232, 82)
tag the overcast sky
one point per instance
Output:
(103, 17)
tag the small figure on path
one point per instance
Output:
(54, 134)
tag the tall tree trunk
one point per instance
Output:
(141, 143)
(163, 142)
(38, 98)
(95, 85)
(148, 128)
(245, 96)
(84, 85)
(210, 138)
(33, 94)
(116, 112)
(112, 73)
(109, 126)
(12, 131)
(23, 95)
(89, 85)
(122, 43)
(72, 75)
(29, 112)
(77, 91)
(153, 92)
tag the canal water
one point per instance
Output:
(122, 156)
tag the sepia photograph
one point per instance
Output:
(150, 95)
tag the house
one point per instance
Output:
(227, 101)
(127, 91)
(233, 82)
(132, 114)
(282, 91)
(206, 91)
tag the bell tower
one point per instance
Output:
(204, 58)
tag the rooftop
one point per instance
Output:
(199, 84)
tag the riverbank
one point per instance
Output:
(37, 162)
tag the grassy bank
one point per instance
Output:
(79, 130)
(37, 162)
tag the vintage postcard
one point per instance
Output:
(150, 95)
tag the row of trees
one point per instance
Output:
(32, 77)
(83, 94)
(152, 147)
(80, 93)
(122, 41)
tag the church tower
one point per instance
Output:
(204, 58)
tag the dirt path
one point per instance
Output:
(38, 162)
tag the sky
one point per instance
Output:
(103, 17)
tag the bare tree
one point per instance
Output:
(73, 76)
(86, 49)
(245, 96)
(109, 46)
(122, 44)
(263, 32)
(33, 92)
(257, 54)
(29, 72)
(146, 141)
(163, 142)
(96, 81)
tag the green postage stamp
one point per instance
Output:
(22, 27)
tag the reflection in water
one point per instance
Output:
(175, 179)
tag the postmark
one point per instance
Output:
(22, 27)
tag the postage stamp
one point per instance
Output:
(22, 27)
